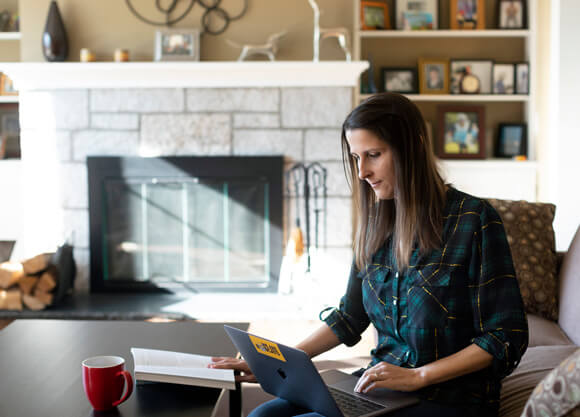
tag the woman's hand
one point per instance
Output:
(223, 362)
(385, 375)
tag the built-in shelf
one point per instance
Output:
(8, 99)
(465, 97)
(10, 36)
(444, 33)
(490, 163)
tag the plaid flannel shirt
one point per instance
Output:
(464, 293)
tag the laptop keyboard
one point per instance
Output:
(351, 405)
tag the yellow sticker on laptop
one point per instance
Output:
(265, 347)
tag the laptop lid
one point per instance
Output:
(289, 373)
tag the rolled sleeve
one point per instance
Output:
(349, 320)
(499, 317)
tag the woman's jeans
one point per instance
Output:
(282, 408)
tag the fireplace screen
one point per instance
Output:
(190, 232)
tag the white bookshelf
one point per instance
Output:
(487, 177)
(10, 36)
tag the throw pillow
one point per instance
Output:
(532, 242)
(558, 394)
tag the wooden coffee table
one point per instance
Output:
(40, 364)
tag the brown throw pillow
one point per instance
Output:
(532, 242)
(558, 394)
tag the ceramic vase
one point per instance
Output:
(54, 39)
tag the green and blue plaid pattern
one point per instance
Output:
(464, 293)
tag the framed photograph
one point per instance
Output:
(417, 14)
(177, 45)
(523, 78)
(461, 132)
(511, 14)
(467, 14)
(374, 15)
(511, 140)
(6, 86)
(503, 78)
(399, 80)
(433, 76)
(471, 76)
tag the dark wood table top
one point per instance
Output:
(40, 365)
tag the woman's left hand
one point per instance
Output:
(385, 375)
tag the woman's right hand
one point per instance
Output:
(224, 362)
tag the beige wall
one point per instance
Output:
(105, 25)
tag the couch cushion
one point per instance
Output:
(559, 392)
(536, 363)
(569, 291)
(544, 332)
(531, 238)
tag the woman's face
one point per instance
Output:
(374, 161)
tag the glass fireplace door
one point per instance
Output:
(189, 232)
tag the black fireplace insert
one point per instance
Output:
(185, 223)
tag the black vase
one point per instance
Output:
(54, 40)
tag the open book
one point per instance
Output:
(179, 368)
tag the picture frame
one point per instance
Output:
(461, 132)
(511, 14)
(512, 140)
(399, 80)
(433, 76)
(467, 14)
(177, 45)
(374, 15)
(522, 78)
(6, 86)
(417, 14)
(481, 69)
(503, 78)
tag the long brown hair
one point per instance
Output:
(415, 215)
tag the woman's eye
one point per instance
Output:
(374, 155)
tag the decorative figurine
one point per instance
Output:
(341, 34)
(270, 48)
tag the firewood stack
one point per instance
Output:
(30, 283)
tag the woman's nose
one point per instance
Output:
(362, 170)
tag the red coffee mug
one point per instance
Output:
(104, 379)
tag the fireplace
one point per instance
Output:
(185, 223)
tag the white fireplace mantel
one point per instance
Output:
(43, 76)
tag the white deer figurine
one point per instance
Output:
(341, 34)
(270, 48)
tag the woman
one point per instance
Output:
(432, 272)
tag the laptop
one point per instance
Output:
(289, 373)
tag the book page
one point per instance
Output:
(165, 362)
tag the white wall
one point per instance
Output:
(565, 120)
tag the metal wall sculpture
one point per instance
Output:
(213, 11)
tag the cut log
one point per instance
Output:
(32, 302)
(27, 283)
(10, 273)
(47, 280)
(11, 300)
(44, 297)
(36, 264)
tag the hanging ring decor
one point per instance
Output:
(212, 12)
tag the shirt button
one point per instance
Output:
(396, 275)
(394, 302)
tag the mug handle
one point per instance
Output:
(128, 383)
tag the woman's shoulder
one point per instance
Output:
(459, 203)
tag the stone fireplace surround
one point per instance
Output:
(71, 111)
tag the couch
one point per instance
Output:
(547, 381)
